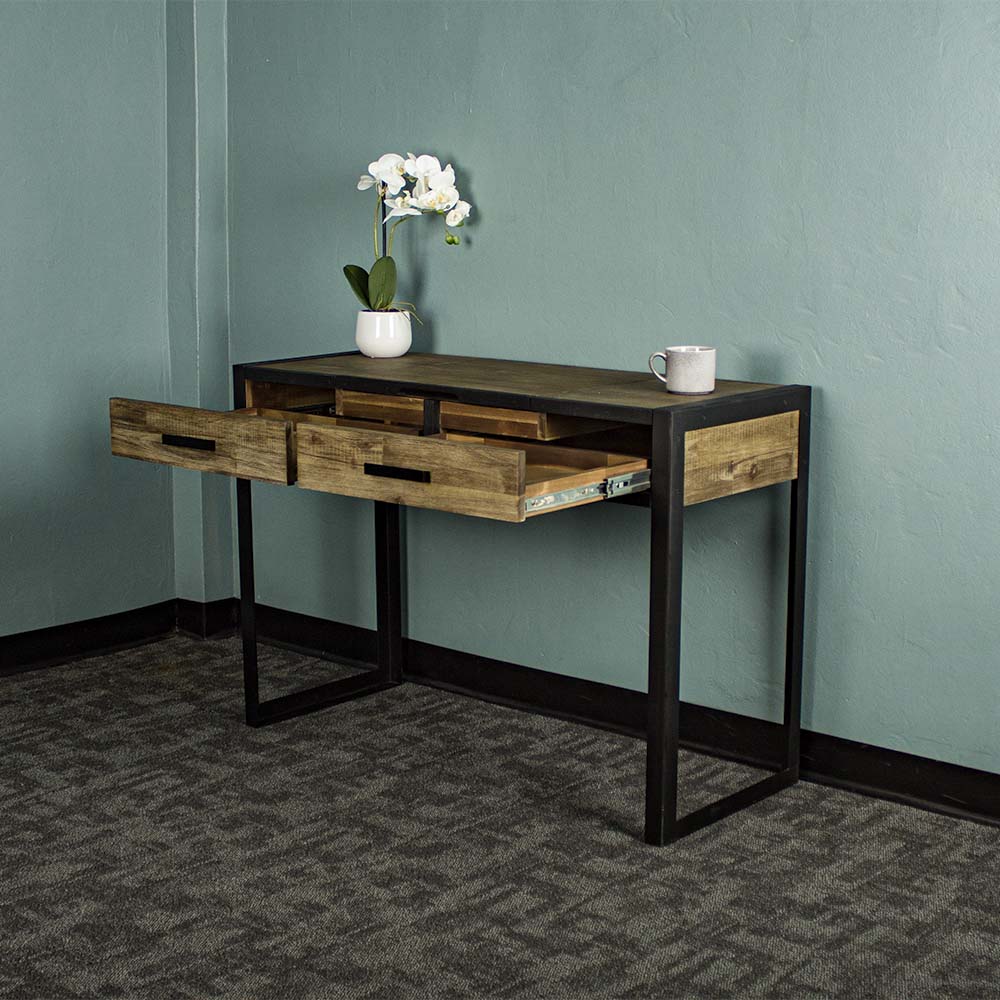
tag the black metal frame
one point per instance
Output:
(666, 502)
(663, 825)
(388, 586)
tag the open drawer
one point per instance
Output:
(239, 443)
(503, 480)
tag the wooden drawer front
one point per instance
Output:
(429, 472)
(733, 458)
(465, 417)
(234, 444)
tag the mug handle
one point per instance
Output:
(652, 358)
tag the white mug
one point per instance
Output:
(690, 370)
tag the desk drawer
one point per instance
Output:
(240, 443)
(467, 417)
(463, 474)
(502, 480)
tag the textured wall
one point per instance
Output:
(82, 309)
(813, 188)
(197, 285)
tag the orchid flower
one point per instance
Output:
(458, 214)
(438, 199)
(442, 179)
(401, 207)
(388, 170)
(433, 191)
(421, 166)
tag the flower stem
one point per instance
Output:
(392, 232)
(378, 202)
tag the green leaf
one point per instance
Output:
(357, 278)
(408, 307)
(382, 284)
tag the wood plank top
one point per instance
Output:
(525, 383)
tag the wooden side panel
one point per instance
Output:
(734, 458)
(233, 444)
(465, 416)
(474, 479)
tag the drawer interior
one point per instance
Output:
(557, 477)
(408, 411)
(467, 417)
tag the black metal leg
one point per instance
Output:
(388, 594)
(666, 559)
(390, 643)
(796, 597)
(663, 825)
(248, 619)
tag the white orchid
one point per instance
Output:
(428, 175)
(401, 206)
(388, 169)
(442, 179)
(416, 185)
(438, 199)
(458, 214)
(421, 166)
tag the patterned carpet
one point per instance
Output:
(422, 845)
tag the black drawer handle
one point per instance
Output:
(396, 472)
(180, 441)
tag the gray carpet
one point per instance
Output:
(419, 844)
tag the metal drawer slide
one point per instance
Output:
(614, 486)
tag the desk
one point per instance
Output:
(506, 440)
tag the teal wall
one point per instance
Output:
(812, 187)
(82, 308)
(114, 271)
(198, 281)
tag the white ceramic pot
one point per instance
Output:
(383, 334)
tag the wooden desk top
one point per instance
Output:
(561, 388)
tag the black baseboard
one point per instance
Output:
(45, 647)
(207, 619)
(958, 791)
(317, 636)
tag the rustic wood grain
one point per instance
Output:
(246, 445)
(551, 469)
(466, 478)
(469, 474)
(296, 419)
(597, 386)
(746, 455)
(281, 396)
(466, 416)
